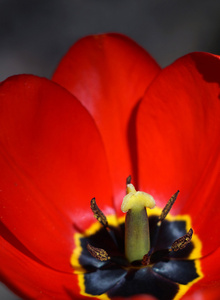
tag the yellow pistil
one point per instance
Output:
(137, 237)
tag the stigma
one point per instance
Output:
(136, 200)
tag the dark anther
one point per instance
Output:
(98, 214)
(183, 241)
(128, 180)
(98, 253)
(168, 207)
(146, 259)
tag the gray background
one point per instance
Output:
(35, 34)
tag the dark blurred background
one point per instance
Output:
(35, 34)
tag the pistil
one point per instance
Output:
(137, 237)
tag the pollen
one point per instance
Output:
(98, 214)
(183, 241)
(98, 253)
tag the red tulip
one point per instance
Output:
(109, 112)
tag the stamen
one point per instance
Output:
(167, 208)
(98, 253)
(183, 241)
(146, 259)
(98, 214)
(128, 180)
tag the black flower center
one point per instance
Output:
(168, 274)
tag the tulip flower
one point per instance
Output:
(68, 148)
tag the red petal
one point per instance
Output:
(209, 286)
(32, 280)
(178, 135)
(208, 293)
(109, 74)
(52, 164)
(210, 268)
